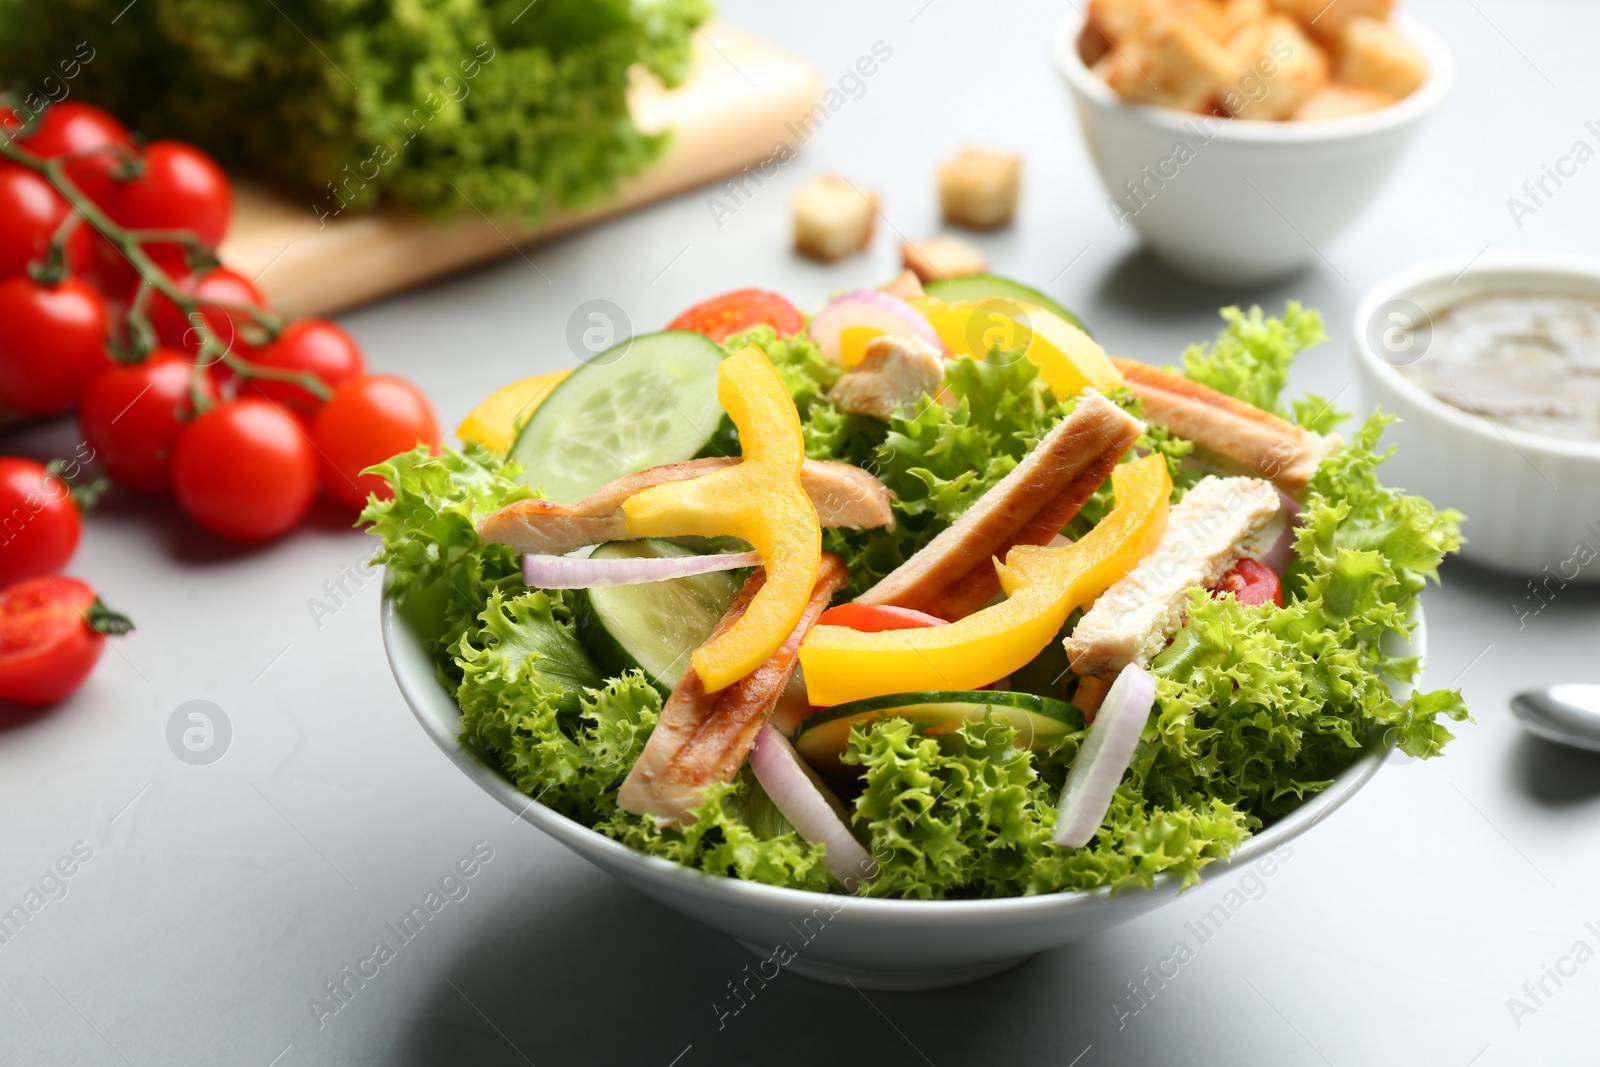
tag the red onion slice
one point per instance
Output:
(870, 307)
(1104, 757)
(570, 572)
(810, 809)
(1281, 554)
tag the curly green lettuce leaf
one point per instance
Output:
(970, 815)
(502, 107)
(430, 545)
(1251, 356)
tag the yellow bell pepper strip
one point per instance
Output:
(494, 422)
(1043, 584)
(760, 500)
(1068, 359)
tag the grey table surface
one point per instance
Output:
(218, 900)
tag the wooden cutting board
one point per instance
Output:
(732, 111)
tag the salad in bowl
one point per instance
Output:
(923, 597)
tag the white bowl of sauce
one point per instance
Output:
(1494, 371)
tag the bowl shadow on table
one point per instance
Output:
(1140, 285)
(608, 976)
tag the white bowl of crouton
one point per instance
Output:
(1239, 137)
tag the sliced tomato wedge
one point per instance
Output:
(723, 316)
(1253, 582)
(52, 631)
(875, 618)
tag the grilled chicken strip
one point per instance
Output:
(1236, 437)
(1216, 524)
(703, 738)
(954, 574)
(844, 496)
(895, 372)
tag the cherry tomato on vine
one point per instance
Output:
(177, 187)
(223, 285)
(368, 419)
(723, 316)
(314, 345)
(30, 213)
(132, 416)
(244, 469)
(52, 631)
(52, 341)
(110, 271)
(42, 523)
(1252, 582)
(875, 618)
(71, 127)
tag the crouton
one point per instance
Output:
(906, 285)
(1283, 68)
(1374, 55)
(978, 187)
(1182, 67)
(1335, 101)
(1237, 14)
(1124, 20)
(832, 218)
(942, 257)
(1326, 19)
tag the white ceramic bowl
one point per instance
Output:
(1532, 503)
(1257, 200)
(876, 944)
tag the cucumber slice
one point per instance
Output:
(990, 286)
(648, 401)
(821, 738)
(654, 626)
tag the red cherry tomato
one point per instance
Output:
(222, 285)
(178, 187)
(70, 128)
(48, 646)
(30, 213)
(132, 417)
(1253, 582)
(723, 316)
(369, 419)
(42, 523)
(111, 272)
(314, 345)
(244, 469)
(875, 618)
(52, 341)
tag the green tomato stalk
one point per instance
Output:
(259, 328)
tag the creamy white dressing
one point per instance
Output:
(1527, 361)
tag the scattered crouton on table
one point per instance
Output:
(978, 187)
(832, 218)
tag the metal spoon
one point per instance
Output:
(1565, 714)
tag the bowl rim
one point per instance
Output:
(1412, 109)
(420, 687)
(1408, 284)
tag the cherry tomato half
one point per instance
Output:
(369, 418)
(222, 285)
(52, 341)
(132, 417)
(314, 345)
(1253, 582)
(875, 618)
(244, 469)
(30, 213)
(178, 187)
(39, 521)
(723, 316)
(47, 644)
(72, 128)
